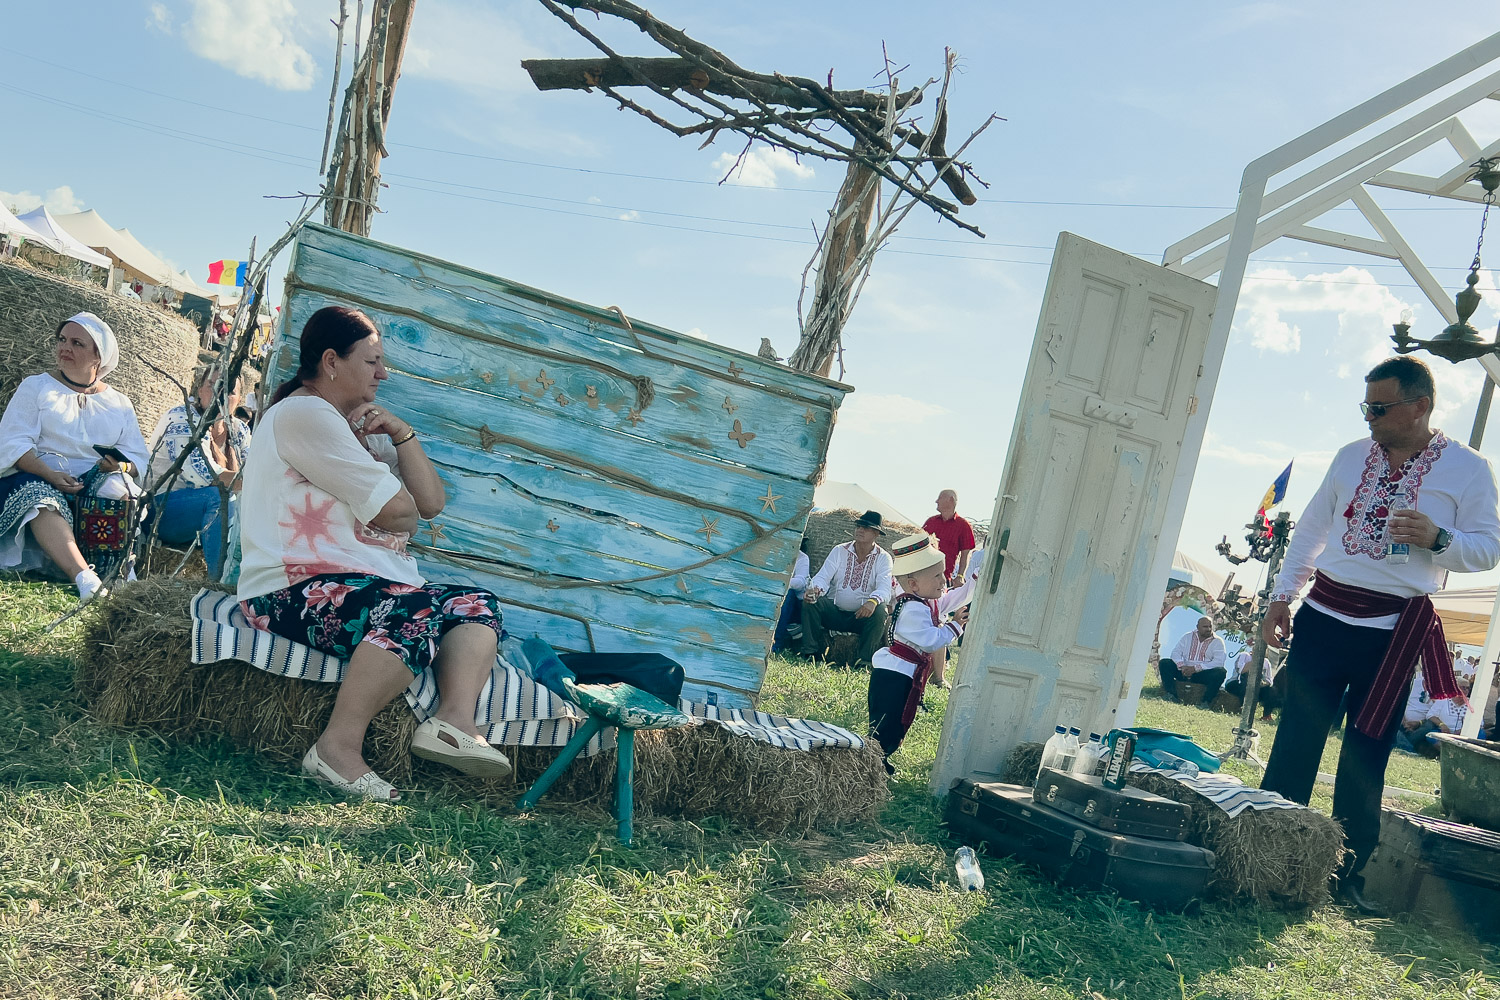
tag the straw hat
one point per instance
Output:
(914, 553)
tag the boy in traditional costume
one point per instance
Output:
(918, 625)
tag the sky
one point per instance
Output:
(190, 121)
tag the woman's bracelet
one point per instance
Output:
(411, 433)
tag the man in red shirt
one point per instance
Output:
(956, 542)
(954, 534)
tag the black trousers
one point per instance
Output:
(1268, 699)
(823, 616)
(887, 702)
(1211, 678)
(1328, 660)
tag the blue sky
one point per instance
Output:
(1127, 124)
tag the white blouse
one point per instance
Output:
(62, 426)
(914, 627)
(310, 490)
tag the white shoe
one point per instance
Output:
(89, 586)
(471, 755)
(368, 785)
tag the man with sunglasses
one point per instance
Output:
(1367, 619)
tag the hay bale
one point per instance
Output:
(137, 671)
(32, 303)
(827, 528)
(1189, 693)
(1227, 701)
(1277, 857)
(1023, 763)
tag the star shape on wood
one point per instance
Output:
(634, 416)
(709, 530)
(488, 438)
(552, 525)
(729, 406)
(591, 393)
(543, 381)
(310, 523)
(735, 371)
(808, 416)
(768, 502)
(740, 436)
(488, 378)
(434, 532)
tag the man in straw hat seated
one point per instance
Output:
(919, 627)
(849, 593)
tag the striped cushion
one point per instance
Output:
(1228, 793)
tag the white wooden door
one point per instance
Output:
(1099, 428)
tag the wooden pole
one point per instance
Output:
(848, 230)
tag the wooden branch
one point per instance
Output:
(333, 90)
(678, 73)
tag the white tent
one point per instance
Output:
(1190, 570)
(14, 227)
(183, 282)
(57, 239)
(852, 496)
(119, 245)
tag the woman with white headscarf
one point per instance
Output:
(48, 435)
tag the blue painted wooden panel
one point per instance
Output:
(575, 449)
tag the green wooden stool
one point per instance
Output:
(627, 708)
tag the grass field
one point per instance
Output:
(135, 867)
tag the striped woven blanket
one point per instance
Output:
(1225, 791)
(513, 709)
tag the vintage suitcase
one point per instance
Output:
(1128, 810)
(1437, 870)
(1004, 820)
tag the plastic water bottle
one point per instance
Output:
(1069, 752)
(967, 867)
(1087, 761)
(1397, 553)
(1052, 748)
(1172, 762)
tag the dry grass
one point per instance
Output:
(136, 671)
(32, 303)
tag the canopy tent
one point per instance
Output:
(14, 227)
(183, 282)
(852, 496)
(119, 245)
(1465, 613)
(57, 239)
(1190, 570)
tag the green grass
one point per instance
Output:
(134, 866)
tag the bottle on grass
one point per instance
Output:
(967, 867)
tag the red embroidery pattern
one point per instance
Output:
(1378, 484)
(859, 575)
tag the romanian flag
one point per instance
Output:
(1274, 496)
(227, 272)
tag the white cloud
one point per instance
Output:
(629, 216)
(1361, 304)
(59, 201)
(875, 413)
(469, 46)
(257, 40)
(160, 19)
(696, 332)
(761, 167)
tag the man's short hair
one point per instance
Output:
(1413, 375)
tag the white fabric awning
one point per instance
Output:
(852, 496)
(90, 229)
(13, 226)
(54, 237)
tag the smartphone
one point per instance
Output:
(110, 451)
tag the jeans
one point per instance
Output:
(188, 513)
(791, 614)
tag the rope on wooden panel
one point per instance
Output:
(660, 575)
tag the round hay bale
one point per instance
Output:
(137, 671)
(827, 528)
(1281, 858)
(33, 303)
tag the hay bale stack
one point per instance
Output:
(32, 303)
(1024, 762)
(137, 671)
(1277, 857)
(827, 528)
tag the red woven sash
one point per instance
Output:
(1418, 632)
(922, 661)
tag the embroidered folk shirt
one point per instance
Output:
(920, 624)
(1205, 654)
(850, 581)
(173, 431)
(1342, 532)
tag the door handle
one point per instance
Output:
(998, 562)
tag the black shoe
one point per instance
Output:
(1352, 894)
(890, 770)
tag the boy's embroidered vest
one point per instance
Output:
(922, 661)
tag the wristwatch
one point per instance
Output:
(1444, 539)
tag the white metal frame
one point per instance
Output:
(1224, 247)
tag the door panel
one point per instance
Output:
(1098, 432)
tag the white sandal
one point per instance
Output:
(368, 785)
(472, 755)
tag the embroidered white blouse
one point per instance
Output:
(850, 582)
(1342, 531)
(62, 426)
(173, 431)
(915, 628)
(310, 490)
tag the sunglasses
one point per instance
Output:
(1379, 409)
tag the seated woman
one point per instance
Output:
(195, 507)
(333, 488)
(47, 454)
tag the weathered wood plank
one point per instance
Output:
(687, 409)
(554, 309)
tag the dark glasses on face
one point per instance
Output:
(1379, 409)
